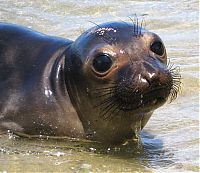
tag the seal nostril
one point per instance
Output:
(150, 73)
(144, 83)
(148, 81)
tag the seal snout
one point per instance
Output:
(147, 86)
(153, 76)
(155, 81)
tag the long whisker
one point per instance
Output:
(142, 25)
(107, 109)
(134, 26)
(112, 112)
(103, 102)
(115, 111)
(105, 88)
(176, 80)
(105, 94)
(137, 26)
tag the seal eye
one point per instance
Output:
(157, 47)
(102, 63)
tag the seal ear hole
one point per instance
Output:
(102, 63)
(158, 48)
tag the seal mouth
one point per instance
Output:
(147, 100)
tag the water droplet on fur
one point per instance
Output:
(87, 90)
(92, 149)
(137, 126)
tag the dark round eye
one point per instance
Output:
(157, 47)
(102, 63)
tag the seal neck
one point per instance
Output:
(56, 79)
(62, 95)
(57, 75)
(70, 72)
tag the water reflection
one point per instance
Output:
(147, 152)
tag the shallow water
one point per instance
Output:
(170, 141)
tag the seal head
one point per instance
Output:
(116, 76)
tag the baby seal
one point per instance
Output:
(104, 86)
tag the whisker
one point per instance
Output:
(106, 94)
(105, 88)
(176, 80)
(177, 83)
(168, 63)
(134, 26)
(113, 111)
(100, 92)
(107, 109)
(143, 23)
(176, 76)
(137, 26)
(103, 102)
(175, 69)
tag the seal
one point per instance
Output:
(104, 86)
